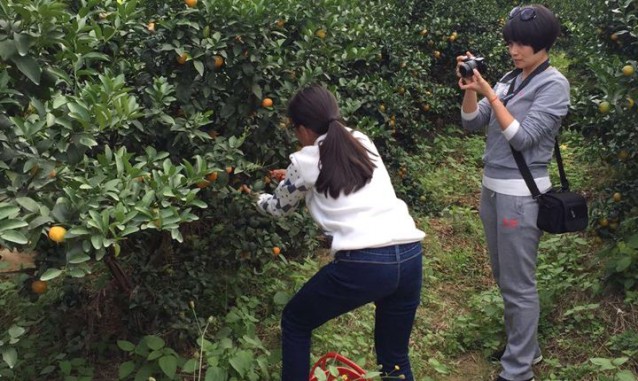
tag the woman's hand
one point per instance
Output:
(474, 83)
(477, 83)
(460, 60)
(278, 174)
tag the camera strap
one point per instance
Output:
(511, 92)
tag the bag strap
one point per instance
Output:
(518, 157)
(527, 175)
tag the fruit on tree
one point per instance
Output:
(628, 70)
(604, 107)
(39, 287)
(190, 3)
(212, 177)
(266, 102)
(276, 250)
(57, 233)
(617, 197)
(218, 62)
(181, 59)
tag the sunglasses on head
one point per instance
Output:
(524, 13)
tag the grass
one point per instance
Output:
(586, 331)
(459, 321)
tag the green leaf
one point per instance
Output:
(14, 236)
(168, 365)
(7, 49)
(97, 241)
(603, 363)
(281, 298)
(199, 66)
(190, 366)
(154, 342)
(28, 203)
(10, 356)
(9, 211)
(23, 42)
(12, 225)
(623, 264)
(51, 274)
(79, 258)
(88, 142)
(39, 221)
(214, 373)
(625, 375)
(241, 362)
(125, 369)
(619, 361)
(29, 67)
(126, 346)
(16, 331)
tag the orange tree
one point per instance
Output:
(603, 64)
(138, 127)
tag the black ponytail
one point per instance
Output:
(345, 164)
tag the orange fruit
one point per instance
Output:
(150, 26)
(181, 59)
(603, 107)
(437, 54)
(617, 197)
(425, 107)
(382, 107)
(57, 233)
(191, 3)
(229, 170)
(267, 102)
(276, 250)
(202, 184)
(321, 33)
(628, 70)
(212, 177)
(603, 222)
(39, 286)
(423, 32)
(280, 23)
(218, 61)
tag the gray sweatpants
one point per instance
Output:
(512, 241)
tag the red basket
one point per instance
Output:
(344, 365)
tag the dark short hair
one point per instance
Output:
(539, 33)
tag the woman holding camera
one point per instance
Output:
(522, 111)
(376, 245)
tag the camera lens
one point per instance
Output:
(466, 69)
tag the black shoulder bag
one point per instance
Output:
(560, 210)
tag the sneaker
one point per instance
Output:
(505, 379)
(496, 357)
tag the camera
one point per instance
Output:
(466, 69)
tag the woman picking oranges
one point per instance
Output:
(375, 243)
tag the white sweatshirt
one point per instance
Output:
(371, 217)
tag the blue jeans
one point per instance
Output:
(389, 276)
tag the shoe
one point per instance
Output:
(496, 357)
(499, 378)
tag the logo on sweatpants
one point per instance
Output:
(511, 223)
